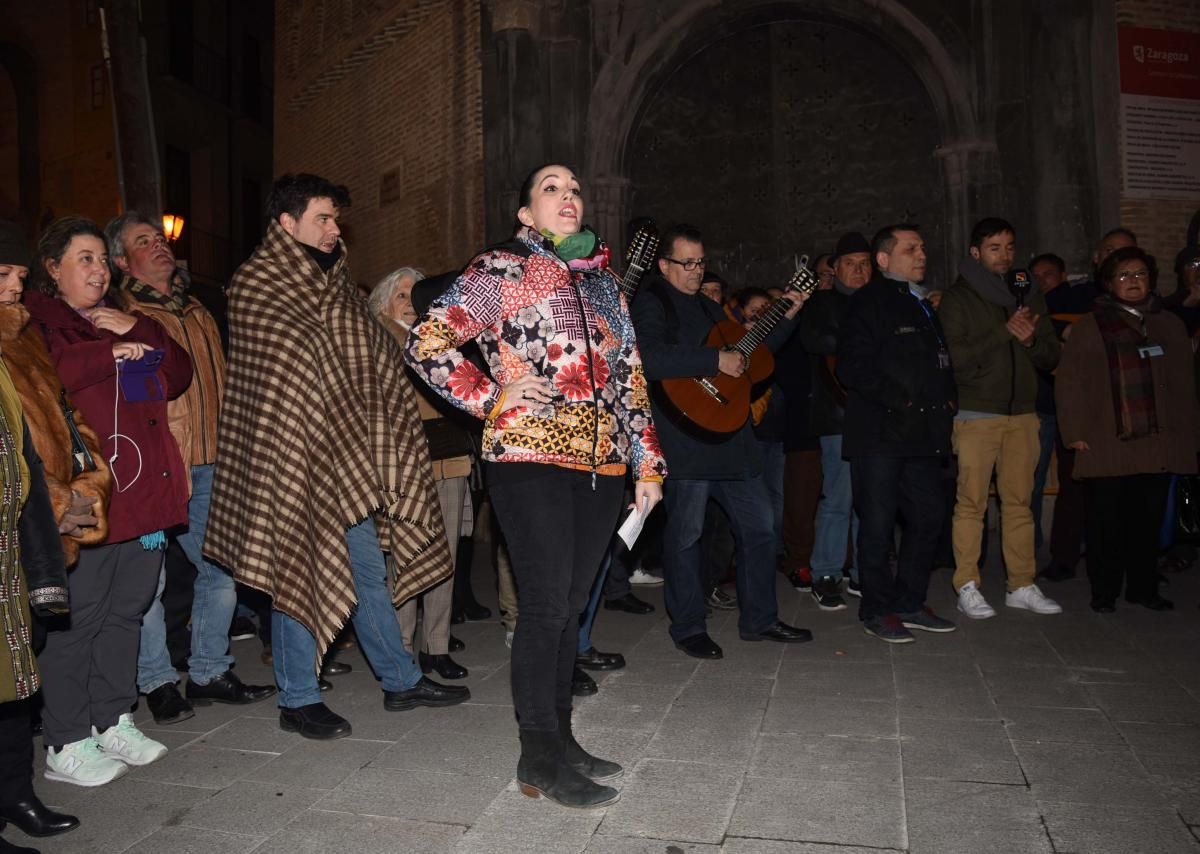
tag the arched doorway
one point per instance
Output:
(783, 134)
(645, 56)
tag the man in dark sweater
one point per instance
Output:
(673, 319)
(819, 327)
(893, 361)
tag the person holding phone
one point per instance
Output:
(119, 370)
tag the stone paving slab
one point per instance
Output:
(840, 746)
(1091, 829)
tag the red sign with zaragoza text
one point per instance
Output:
(1160, 63)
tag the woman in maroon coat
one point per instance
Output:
(119, 370)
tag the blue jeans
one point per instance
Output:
(773, 463)
(836, 520)
(375, 624)
(589, 614)
(748, 506)
(1047, 431)
(883, 485)
(214, 598)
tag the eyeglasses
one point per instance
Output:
(1133, 275)
(690, 264)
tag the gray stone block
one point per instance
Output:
(1086, 773)
(831, 716)
(199, 765)
(627, 845)
(1081, 726)
(417, 795)
(194, 840)
(252, 809)
(261, 735)
(318, 764)
(1113, 829)
(1161, 702)
(674, 800)
(515, 824)
(320, 832)
(952, 818)
(474, 754)
(739, 845)
(966, 750)
(826, 758)
(834, 812)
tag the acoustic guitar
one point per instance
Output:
(713, 408)
(638, 258)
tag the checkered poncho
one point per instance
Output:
(319, 428)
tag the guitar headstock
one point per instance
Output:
(644, 247)
(803, 280)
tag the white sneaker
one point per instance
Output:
(126, 743)
(646, 579)
(1031, 598)
(83, 764)
(508, 636)
(972, 603)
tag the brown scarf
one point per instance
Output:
(319, 430)
(1130, 374)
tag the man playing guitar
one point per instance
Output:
(672, 319)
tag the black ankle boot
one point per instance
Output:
(599, 770)
(542, 772)
(7, 847)
(35, 818)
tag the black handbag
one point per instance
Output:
(1187, 508)
(81, 457)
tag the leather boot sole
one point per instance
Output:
(531, 791)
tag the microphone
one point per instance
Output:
(1019, 285)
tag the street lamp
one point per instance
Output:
(172, 227)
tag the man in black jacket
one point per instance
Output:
(893, 361)
(672, 319)
(819, 327)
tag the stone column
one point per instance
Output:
(607, 199)
(972, 177)
(513, 116)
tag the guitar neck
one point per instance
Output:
(762, 327)
(629, 282)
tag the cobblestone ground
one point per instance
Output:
(1074, 733)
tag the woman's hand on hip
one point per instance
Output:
(1079, 446)
(112, 320)
(78, 516)
(646, 494)
(529, 390)
(123, 350)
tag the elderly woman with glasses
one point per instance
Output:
(1126, 402)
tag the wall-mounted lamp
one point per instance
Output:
(172, 227)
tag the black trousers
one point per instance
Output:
(16, 752)
(557, 528)
(1124, 517)
(882, 485)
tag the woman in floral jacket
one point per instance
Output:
(566, 417)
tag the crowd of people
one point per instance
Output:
(336, 457)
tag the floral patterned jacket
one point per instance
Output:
(528, 310)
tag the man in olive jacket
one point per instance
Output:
(997, 348)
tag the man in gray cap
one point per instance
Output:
(819, 327)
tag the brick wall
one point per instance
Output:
(385, 97)
(1161, 225)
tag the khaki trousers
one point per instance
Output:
(437, 600)
(1007, 445)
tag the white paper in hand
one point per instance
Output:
(631, 527)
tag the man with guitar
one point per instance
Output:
(673, 320)
(835, 521)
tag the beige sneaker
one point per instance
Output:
(82, 763)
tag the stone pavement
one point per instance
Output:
(1078, 733)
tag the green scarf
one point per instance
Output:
(572, 246)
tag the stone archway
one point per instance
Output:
(639, 61)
